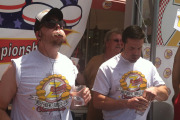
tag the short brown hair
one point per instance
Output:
(134, 32)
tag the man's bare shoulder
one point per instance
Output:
(7, 86)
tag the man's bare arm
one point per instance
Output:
(106, 103)
(159, 93)
(7, 90)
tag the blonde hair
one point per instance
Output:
(112, 31)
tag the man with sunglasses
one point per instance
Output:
(39, 83)
(112, 47)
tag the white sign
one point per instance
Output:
(177, 21)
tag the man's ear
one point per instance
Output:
(38, 35)
(122, 46)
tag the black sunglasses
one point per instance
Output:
(52, 24)
(116, 40)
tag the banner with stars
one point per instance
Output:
(17, 19)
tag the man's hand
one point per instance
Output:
(138, 103)
(86, 95)
(159, 93)
(150, 93)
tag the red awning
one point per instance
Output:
(106, 14)
(115, 5)
(118, 1)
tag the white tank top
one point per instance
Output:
(43, 87)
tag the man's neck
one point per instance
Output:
(51, 52)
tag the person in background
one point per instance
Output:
(112, 47)
(176, 85)
(40, 83)
(126, 84)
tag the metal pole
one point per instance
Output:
(151, 7)
(154, 42)
(87, 40)
(154, 31)
(139, 12)
(134, 12)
